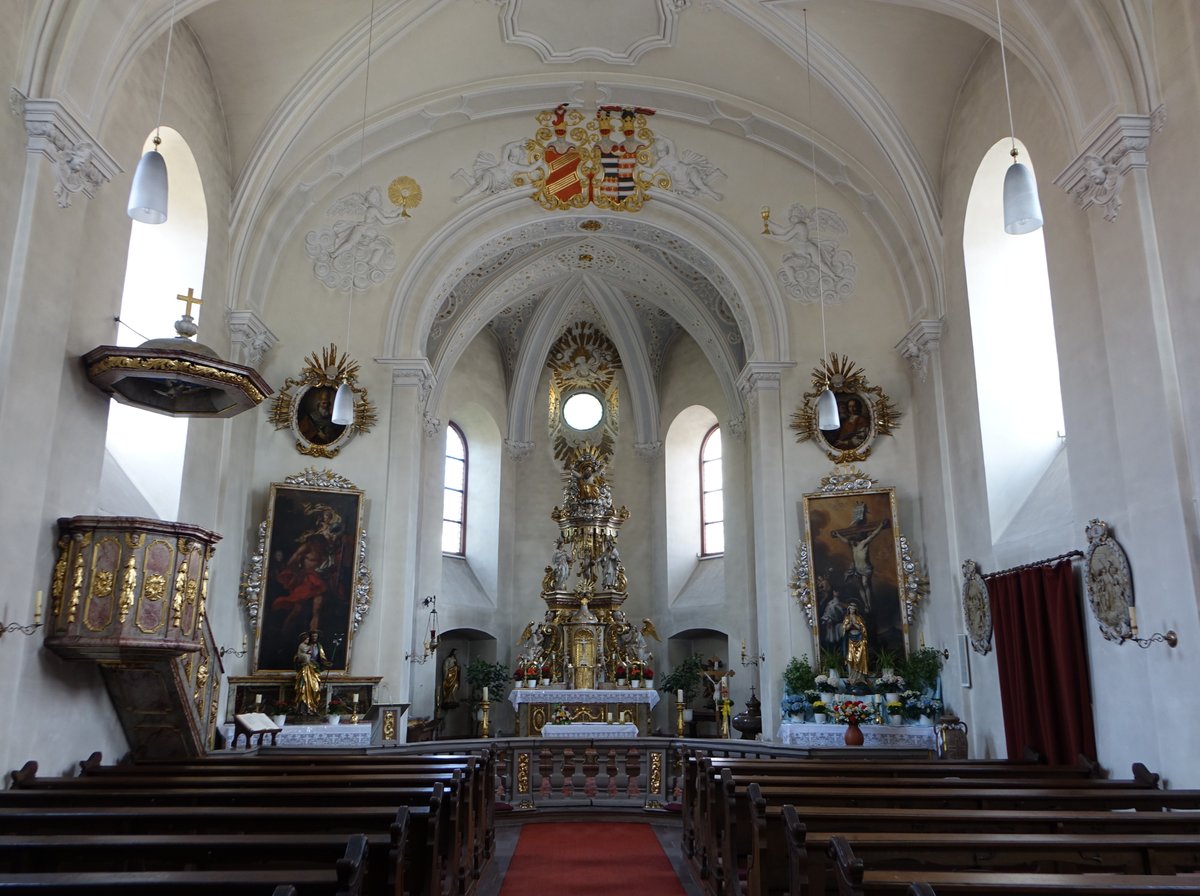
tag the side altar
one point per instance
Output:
(621, 706)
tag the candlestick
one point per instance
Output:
(679, 695)
(37, 607)
(485, 694)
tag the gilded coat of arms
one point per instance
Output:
(605, 160)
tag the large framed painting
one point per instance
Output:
(310, 573)
(856, 566)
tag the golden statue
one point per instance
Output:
(450, 676)
(856, 643)
(310, 662)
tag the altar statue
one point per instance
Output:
(450, 678)
(310, 663)
(857, 654)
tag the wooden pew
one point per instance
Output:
(343, 878)
(854, 879)
(414, 831)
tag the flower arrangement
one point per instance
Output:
(621, 670)
(338, 707)
(635, 669)
(895, 708)
(794, 705)
(929, 706)
(277, 707)
(519, 675)
(822, 682)
(818, 708)
(560, 716)
(852, 712)
(889, 683)
(910, 698)
(647, 673)
(812, 696)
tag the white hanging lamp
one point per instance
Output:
(148, 194)
(343, 405)
(828, 417)
(1022, 209)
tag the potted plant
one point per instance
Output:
(922, 669)
(885, 660)
(493, 676)
(685, 677)
(278, 711)
(895, 710)
(798, 676)
(337, 708)
(889, 684)
(819, 712)
(909, 699)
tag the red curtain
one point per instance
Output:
(1044, 689)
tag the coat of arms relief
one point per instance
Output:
(611, 160)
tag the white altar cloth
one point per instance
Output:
(591, 730)
(809, 734)
(343, 735)
(517, 696)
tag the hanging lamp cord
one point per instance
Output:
(162, 93)
(816, 215)
(1012, 131)
(362, 147)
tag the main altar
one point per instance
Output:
(585, 654)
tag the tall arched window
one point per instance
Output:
(1016, 359)
(143, 465)
(712, 495)
(454, 493)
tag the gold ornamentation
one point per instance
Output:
(591, 225)
(76, 586)
(522, 773)
(171, 365)
(865, 411)
(656, 770)
(59, 581)
(406, 193)
(203, 600)
(128, 589)
(134, 540)
(181, 587)
(155, 587)
(305, 403)
(389, 724)
(102, 584)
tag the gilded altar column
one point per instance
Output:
(770, 608)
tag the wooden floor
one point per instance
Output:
(668, 834)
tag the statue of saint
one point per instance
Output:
(450, 676)
(856, 643)
(310, 663)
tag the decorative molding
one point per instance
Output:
(1098, 173)
(737, 427)
(564, 31)
(305, 403)
(249, 336)
(1158, 118)
(353, 254)
(80, 163)
(758, 376)
(919, 344)
(16, 102)
(648, 450)
(518, 451)
(432, 425)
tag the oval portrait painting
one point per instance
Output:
(854, 411)
(314, 416)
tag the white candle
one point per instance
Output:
(679, 695)
(610, 718)
(37, 607)
(355, 698)
(485, 694)
(258, 699)
(243, 642)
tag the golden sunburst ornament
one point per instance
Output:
(865, 411)
(404, 192)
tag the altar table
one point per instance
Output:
(343, 735)
(809, 734)
(591, 730)
(534, 706)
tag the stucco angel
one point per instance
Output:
(811, 270)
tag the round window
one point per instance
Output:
(582, 411)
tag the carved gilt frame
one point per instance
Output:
(305, 403)
(865, 411)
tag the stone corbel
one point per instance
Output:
(648, 450)
(919, 344)
(1098, 173)
(80, 163)
(518, 450)
(757, 376)
(250, 337)
(417, 374)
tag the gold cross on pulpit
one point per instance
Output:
(190, 300)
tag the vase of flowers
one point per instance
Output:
(337, 709)
(889, 684)
(794, 707)
(622, 673)
(647, 677)
(852, 714)
(818, 709)
(895, 710)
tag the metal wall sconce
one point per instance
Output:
(25, 629)
(1170, 638)
(752, 660)
(431, 643)
(229, 651)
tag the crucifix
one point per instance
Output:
(191, 300)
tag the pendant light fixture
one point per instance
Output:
(827, 409)
(148, 194)
(1022, 209)
(343, 399)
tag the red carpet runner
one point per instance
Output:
(589, 860)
